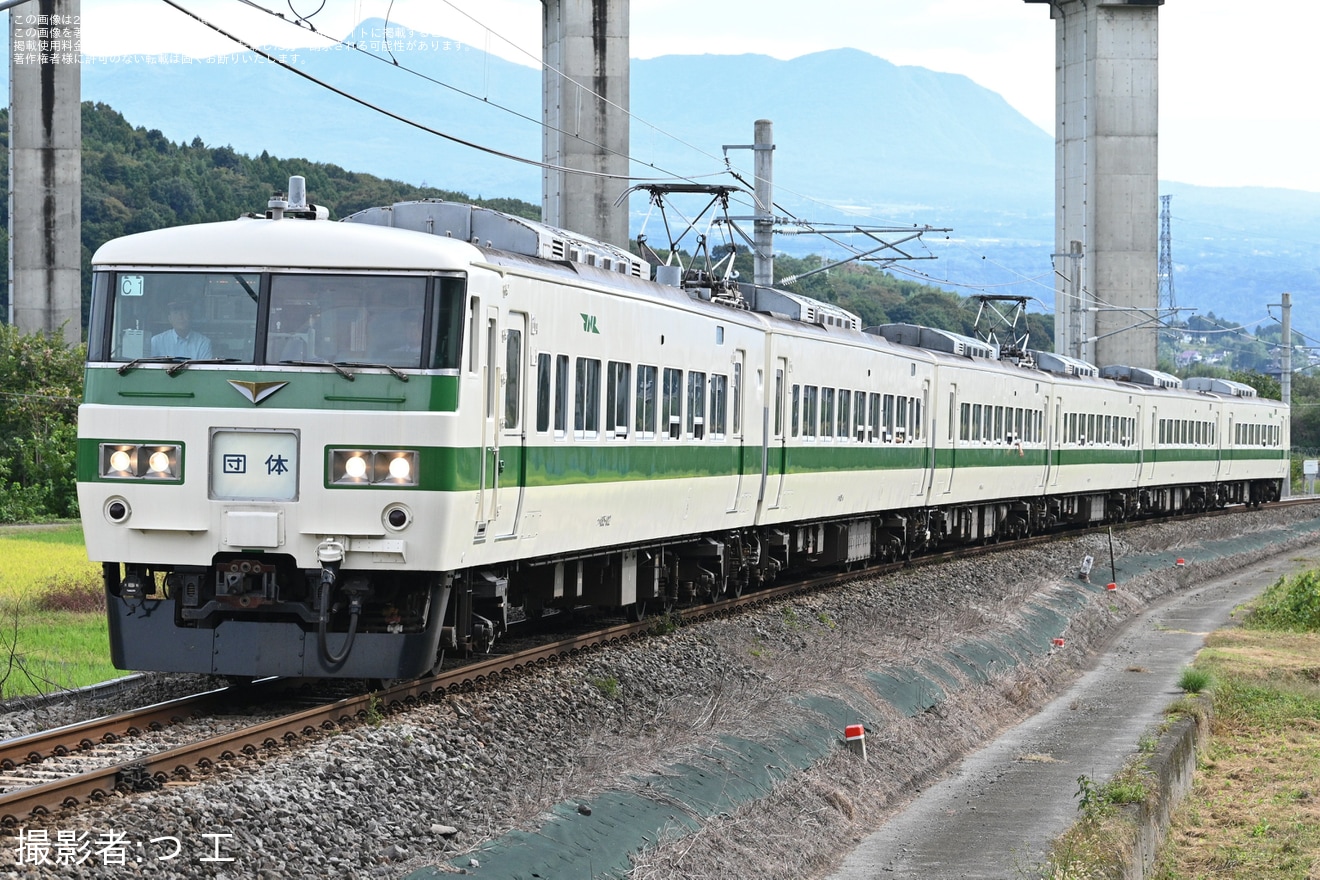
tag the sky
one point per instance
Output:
(1237, 89)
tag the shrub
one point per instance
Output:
(1292, 604)
(1194, 680)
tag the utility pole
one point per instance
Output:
(764, 225)
(1285, 381)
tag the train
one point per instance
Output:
(317, 448)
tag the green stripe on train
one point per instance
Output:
(455, 469)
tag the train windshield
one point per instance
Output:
(362, 319)
(369, 319)
(191, 315)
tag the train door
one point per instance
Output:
(954, 432)
(1226, 461)
(774, 438)
(735, 404)
(511, 465)
(1133, 440)
(925, 435)
(1150, 452)
(1053, 442)
(501, 425)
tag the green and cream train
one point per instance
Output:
(315, 448)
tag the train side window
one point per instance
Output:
(719, 394)
(810, 395)
(512, 379)
(696, 403)
(916, 418)
(965, 422)
(826, 412)
(737, 394)
(976, 422)
(887, 418)
(875, 434)
(1161, 431)
(999, 425)
(586, 413)
(845, 414)
(561, 395)
(646, 391)
(474, 335)
(779, 403)
(543, 392)
(797, 407)
(618, 386)
(671, 403)
(901, 419)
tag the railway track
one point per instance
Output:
(47, 771)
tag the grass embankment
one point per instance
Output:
(1254, 810)
(52, 613)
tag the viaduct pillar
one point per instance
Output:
(45, 168)
(1106, 290)
(585, 109)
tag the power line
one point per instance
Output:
(390, 113)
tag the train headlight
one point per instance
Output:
(373, 467)
(400, 468)
(130, 461)
(121, 461)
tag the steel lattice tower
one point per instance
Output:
(1166, 300)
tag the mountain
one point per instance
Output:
(858, 139)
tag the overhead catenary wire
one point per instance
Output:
(390, 113)
(304, 24)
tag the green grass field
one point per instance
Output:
(52, 618)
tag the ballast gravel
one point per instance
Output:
(428, 784)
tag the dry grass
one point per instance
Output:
(1255, 809)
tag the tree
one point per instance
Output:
(42, 379)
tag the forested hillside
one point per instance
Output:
(136, 179)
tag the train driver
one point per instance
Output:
(181, 340)
(396, 338)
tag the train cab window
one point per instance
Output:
(178, 315)
(543, 397)
(810, 410)
(696, 405)
(561, 395)
(586, 398)
(365, 320)
(671, 403)
(618, 385)
(719, 394)
(826, 412)
(644, 424)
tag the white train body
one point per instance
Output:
(396, 432)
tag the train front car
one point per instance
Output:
(262, 440)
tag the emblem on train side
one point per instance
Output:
(589, 324)
(256, 392)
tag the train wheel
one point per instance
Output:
(636, 611)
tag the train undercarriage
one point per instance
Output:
(259, 614)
